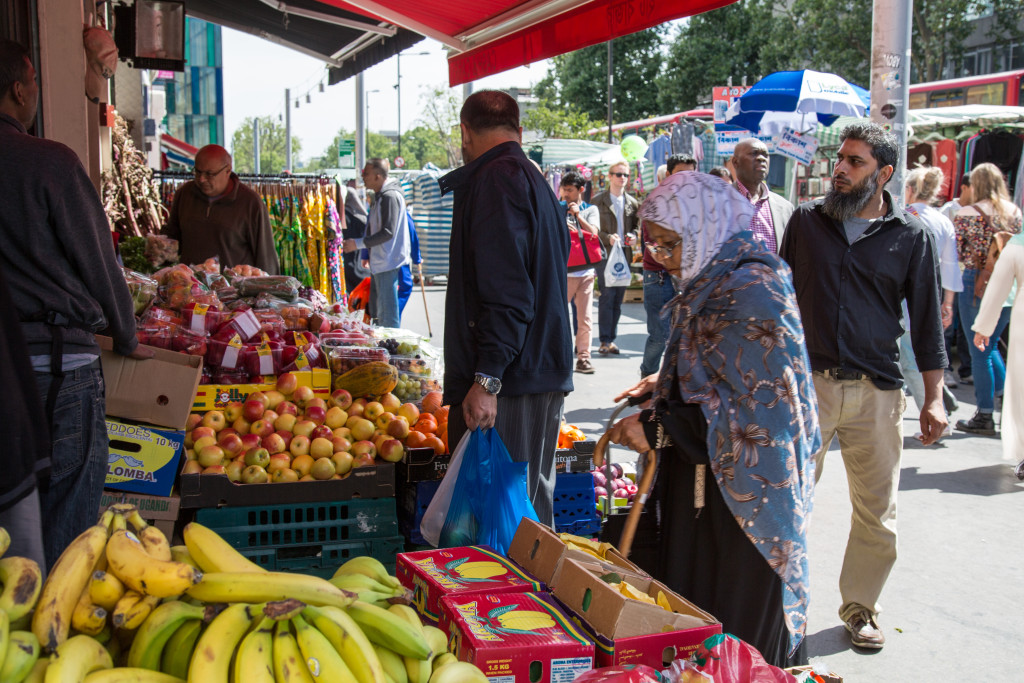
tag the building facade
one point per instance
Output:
(195, 97)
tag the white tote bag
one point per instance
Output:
(436, 513)
(616, 270)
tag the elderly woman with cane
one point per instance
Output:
(733, 418)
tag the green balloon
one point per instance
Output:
(633, 147)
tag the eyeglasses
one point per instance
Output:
(620, 175)
(209, 174)
(658, 250)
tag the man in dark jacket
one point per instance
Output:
(507, 343)
(58, 260)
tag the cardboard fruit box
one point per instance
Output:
(516, 637)
(142, 459)
(629, 631)
(432, 574)
(575, 460)
(422, 464)
(217, 396)
(160, 511)
(539, 550)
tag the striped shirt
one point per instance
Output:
(761, 224)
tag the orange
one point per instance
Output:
(415, 439)
(427, 424)
(436, 444)
(441, 414)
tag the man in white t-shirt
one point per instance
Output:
(584, 217)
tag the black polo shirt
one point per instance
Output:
(851, 295)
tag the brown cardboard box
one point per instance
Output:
(158, 391)
(160, 511)
(539, 550)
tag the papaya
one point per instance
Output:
(370, 379)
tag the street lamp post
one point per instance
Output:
(398, 90)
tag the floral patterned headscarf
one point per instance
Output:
(704, 210)
(736, 348)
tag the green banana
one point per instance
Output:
(393, 664)
(349, 640)
(157, 629)
(324, 662)
(268, 586)
(5, 541)
(21, 656)
(254, 661)
(419, 670)
(178, 651)
(390, 630)
(371, 567)
(289, 666)
(38, 672)
(130, 675)
(458, 672)
(22, 581)
(180, 553)
(75, 658)
(211, 660)
(5, 634)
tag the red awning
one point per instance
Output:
(491, 36)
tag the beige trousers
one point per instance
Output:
(869, 424)
(581, 290)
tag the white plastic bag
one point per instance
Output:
(436, 513)
(616, 270)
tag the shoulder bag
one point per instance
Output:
(585, 250)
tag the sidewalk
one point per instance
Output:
(951, 607)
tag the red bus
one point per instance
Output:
(1006, 88)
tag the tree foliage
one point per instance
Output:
(272, 146)
(440, 115)
(558, 122)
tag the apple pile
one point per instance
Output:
(288, 434)
(620, 485)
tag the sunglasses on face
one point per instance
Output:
(620, 175)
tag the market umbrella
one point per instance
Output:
(788, 99)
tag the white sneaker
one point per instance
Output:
(950, 379)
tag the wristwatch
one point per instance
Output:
(492, 385)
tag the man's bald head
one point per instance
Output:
(750, 159)
(213, 170)
(214, 154)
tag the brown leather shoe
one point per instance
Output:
(603, 350)
(864, 632)
(612, 348)
(584, 367)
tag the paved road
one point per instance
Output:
(951, 608)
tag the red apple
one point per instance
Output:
(321, 448)
(342, 462)
(241, 425)
(287, 408)
(378, 439)
(194, 420)
(253, 410)
(299, 445)
(287, 383)
(363, 448)
(214, 469)
(274, 399)
(284, 476)
(250, 441)
(316, 414)
(254, 474)
(227, 431)
(392, 450)
(410, 412)
(285, 422)
(383, 421)
(234, 470)
(304, 427)
(279, 461)
(356, 409)
(192, 467)
(271, 415)
(200, 432)
(335, 417)
(373, 410)
(190, 454)
(212, 455)
(259, 396)
(340, 443)
(233, 411)
(364, 460)
(321, 432)
(257, 456)
(344, 432)
(301, 464)
(202, 443)
(214, 420)
(390, 402)
(274, 443)
(322, 469)
(398, 428)
(262, 428)
(302, 394)
(232, 444)
(287, 436)
(341, 399)
(318, 402)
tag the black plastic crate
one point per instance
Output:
(324, 560)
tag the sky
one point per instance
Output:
(257, 72)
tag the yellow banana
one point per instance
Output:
(126, 603)
(390, 630)
(358, 583)
(393, 664)
(349, 640)
(458, 672)
(436, 639)
(76, 657)
(22, 653)
(132, 610)
(323, 661)
(157, 629)
(180, 553)
(370, 567)
(153, 540)
(5, 541)
(211, 660)
(289, 665)
(178, 651)
(254, 661)
(64, 585)
(129, 675)
(128, 559)
(105, 589)
(268, 586)
(22, 580)
(213, 554)
(38, 672)
(418, 670)
(88, 618)
(443, 659)
(5, 634)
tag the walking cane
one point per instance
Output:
(423, 289)
(643, 488)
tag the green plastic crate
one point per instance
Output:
(324, 560)
(303, 524)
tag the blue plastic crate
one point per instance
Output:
(416, 496)
(581, 527)
(574, 500)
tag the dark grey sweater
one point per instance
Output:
(56, 249)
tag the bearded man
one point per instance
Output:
(855, 256)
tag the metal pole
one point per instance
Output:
(360, 123)
(610, 92)
(288, 129)
(398, 88)
(256, 143)
(890, 78)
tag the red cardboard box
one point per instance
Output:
(516, 637)
(628, 631)
(432, 574)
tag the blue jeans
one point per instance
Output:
(658, 291)
(78, 465)
(384, 297)
(987, 366)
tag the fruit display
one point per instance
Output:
(569, 434)
(208, 615)
(619, 485)
(345, 358)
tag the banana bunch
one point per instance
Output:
(586, 545)
(108, 578)
(369, 580)
(633, 593)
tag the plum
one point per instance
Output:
(599, 478)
